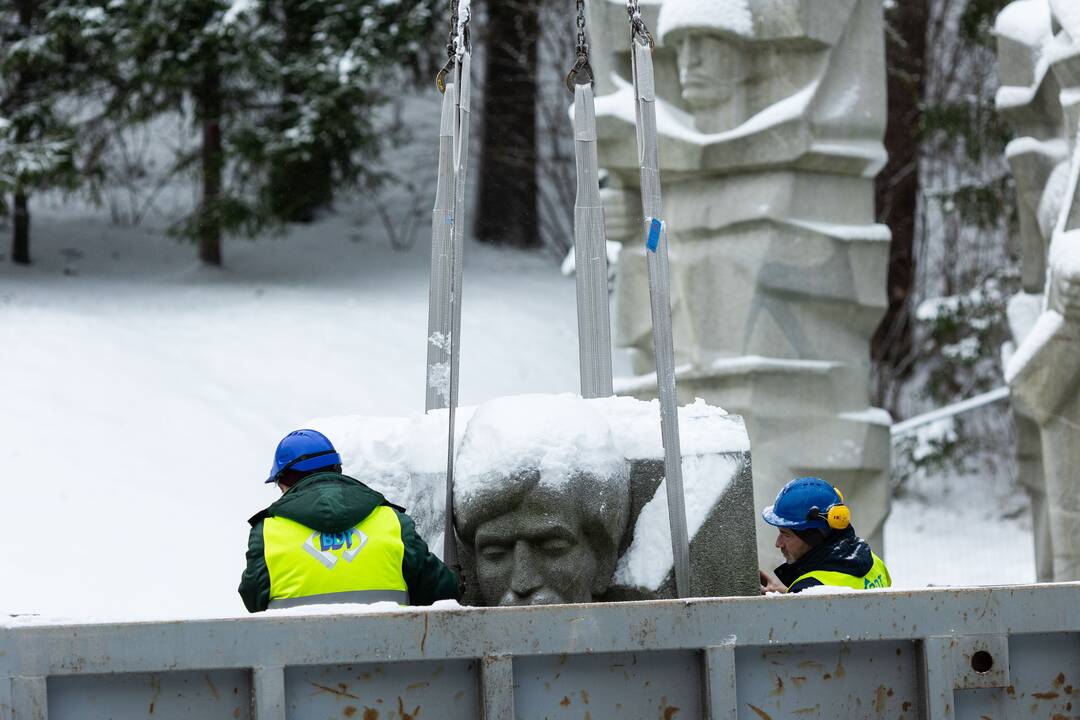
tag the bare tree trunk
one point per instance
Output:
(20, 240)
(507, 212)
(897, 188)
(210, 106)
(20, 243)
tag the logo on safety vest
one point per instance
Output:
(878, 582)
(321, 546)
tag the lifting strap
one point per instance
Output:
(656, 250)
(448, 245)
(590, 243)
(461, 165)
(442, 238)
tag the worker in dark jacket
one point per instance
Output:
(818, 542)
(332, 539)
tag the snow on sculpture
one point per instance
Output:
(1029, 100)
(1044, 371)
(771, 115)
(560, 499)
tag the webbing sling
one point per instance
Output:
(442, 265)
(461, 165)
(590, 255)
(659, 293)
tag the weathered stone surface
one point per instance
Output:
(770, 116)
(603, 541)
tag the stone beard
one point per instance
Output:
(539, 544)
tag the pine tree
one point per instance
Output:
(50, 53)
(282, 92)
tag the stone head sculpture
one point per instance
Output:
(542, 499)
(713, 57)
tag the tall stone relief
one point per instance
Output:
(1029, 100)
(1044, 371)
(771, 115)
(560, 500)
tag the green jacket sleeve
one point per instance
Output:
(426, 575)
(255, 582)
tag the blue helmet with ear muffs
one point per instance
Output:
(807, 503)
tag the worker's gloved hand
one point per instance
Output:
(770, 583)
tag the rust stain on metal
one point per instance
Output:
(779, 689)
(236, 713)
(423, 640)
(798, 680)
(669, 712)
(349, 710)
(1059, 680)
(906, 706)
(565, 702)
(760, 713)
(407, 715)
(341, 690)
(155, 685)
(213, 688)
(370, 714)
(1045, 695)
(585, 697)
(815, 711)
(417, 685)
(1010, 690)
(827, 676)
(881, 697)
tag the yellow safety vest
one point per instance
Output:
(878, 577)
(361, 564)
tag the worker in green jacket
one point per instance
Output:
(818, 543)
(332, 539)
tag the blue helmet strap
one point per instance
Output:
(289, 465)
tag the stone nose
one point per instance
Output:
(526, 577)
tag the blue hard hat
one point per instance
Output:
(303, 450)
(796, 500)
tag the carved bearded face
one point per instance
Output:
(542, 552)
(712, 69)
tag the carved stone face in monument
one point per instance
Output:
(712, 58)
(551, 548)
(711, 70)
(541, 500)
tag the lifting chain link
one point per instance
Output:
(638, 29)
(582, 69)
(451, 48)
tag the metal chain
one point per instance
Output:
(638, 28)
(451, 42)
(582, 43)
(582, 69)
(451, 48)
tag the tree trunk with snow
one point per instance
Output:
(897, 188)
(507, 212)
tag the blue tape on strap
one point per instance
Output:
(654, 234)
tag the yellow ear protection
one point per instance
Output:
(837, 515)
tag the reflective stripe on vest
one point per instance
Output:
(305, 563)
(878, 577)
(356, 596)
